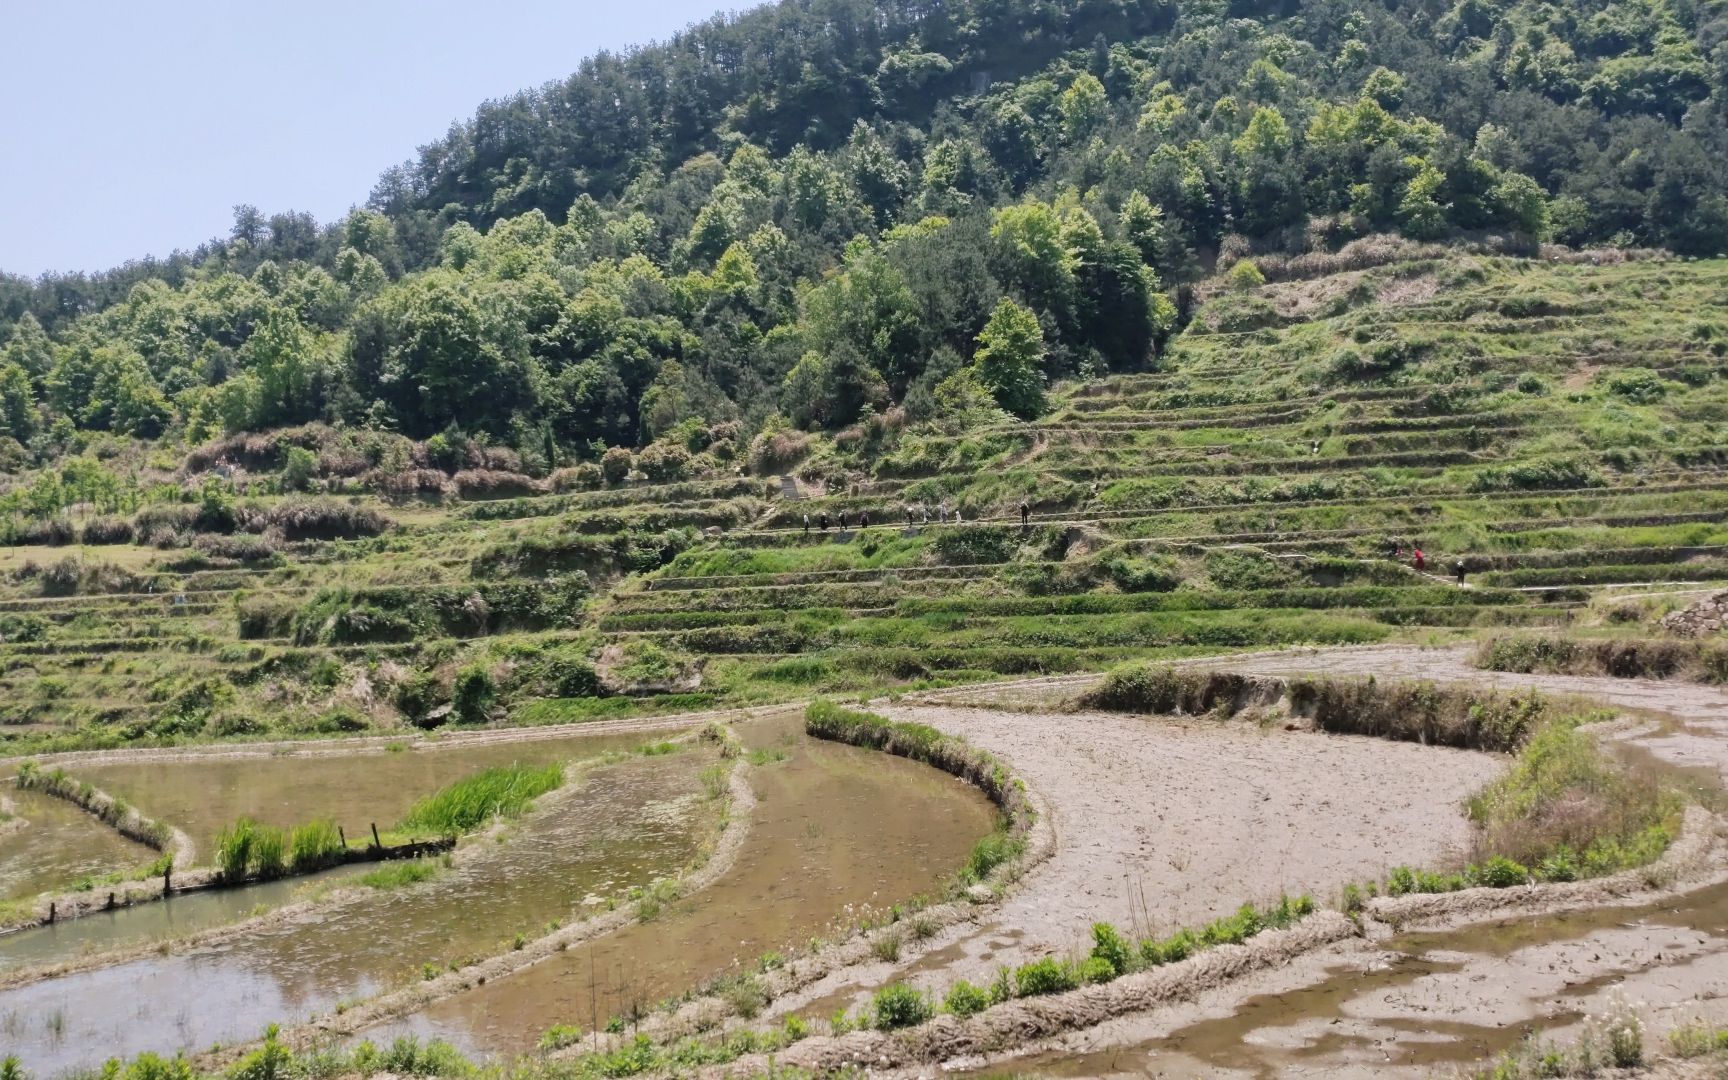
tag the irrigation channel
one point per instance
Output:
(836, 830)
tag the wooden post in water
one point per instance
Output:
(343, 836)
(377, 843)
(167, 879)
(51, 906)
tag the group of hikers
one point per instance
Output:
(916, 514)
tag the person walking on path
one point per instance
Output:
(806, 524)
(863, 519)
(842, 521)
(1419, 560)
(822, 519)
(1458, 572)
(1025, 514)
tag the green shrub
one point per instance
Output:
(1044, 976)
(472, 694)
(965, 1000)
(899, 1006)
(1095, 970)
(1110, 946)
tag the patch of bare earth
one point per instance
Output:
(1163, 823)
(1443, 997)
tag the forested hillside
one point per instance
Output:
(818, 210)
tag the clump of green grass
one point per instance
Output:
(899, 1006)
(248, 849)
(501, 792)
(398, 874)
(315, 845)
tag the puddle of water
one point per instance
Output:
(60, 845)
(625, 825)
(204, 794)
(835, 827)
(1323, 1027)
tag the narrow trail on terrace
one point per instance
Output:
(1163, 822)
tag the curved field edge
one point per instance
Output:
(1025, 840)
(716, 856)
(1691, 860)
(1399, 710)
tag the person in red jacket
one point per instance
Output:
(1418, 560)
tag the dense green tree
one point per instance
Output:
(1009, 360)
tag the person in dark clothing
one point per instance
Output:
(822, 520)
(908, 515)
(842, 521)
(806, 524)
(863, 519)
(1025, 514)
(1458, 571)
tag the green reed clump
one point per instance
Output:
(315, 845)
(501, 792)
(247, 849)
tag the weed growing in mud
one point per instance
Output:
(501, 792)
(396, 875)
(1697, 1039)
(715, 781)
(899, 1006)
(651, 900)
(747, 995)
(964, 1000)
(770, 756)
(886, 945)
(1612, 1040)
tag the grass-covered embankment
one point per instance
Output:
(1621, 658)
(115, 813)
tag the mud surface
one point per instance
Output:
(1164, 823)
(60, 845)
(618, 826)
(1431, 1002)
(836, 829)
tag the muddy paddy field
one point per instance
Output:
(712, 882)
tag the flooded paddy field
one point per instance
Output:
(616, 826)
(836, 830)
(57, 846)
(203, 793)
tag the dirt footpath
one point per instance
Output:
(1163, 823)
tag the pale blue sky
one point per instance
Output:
(133, 128)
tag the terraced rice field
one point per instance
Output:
(1559, 433)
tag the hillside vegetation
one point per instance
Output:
(828, 208)
(1555, 426)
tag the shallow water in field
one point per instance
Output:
(620, 825)
(58, 845)
(836, 828)
(203, 794)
